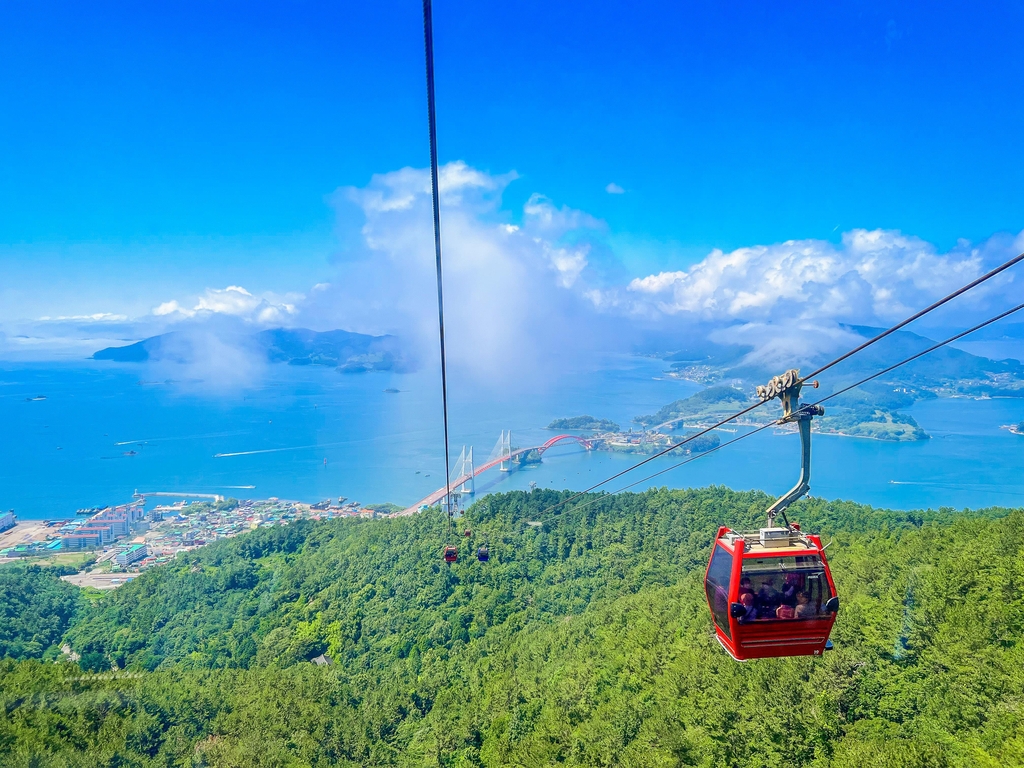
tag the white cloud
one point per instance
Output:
(98, 317)
(533, 293)
(614, 189)
(789, 300)
(233, 300)
(526, 298)
(213, 354)
(236, 301)
(171, 308)
(569, 264)
(403, 189)
(541, 215)
(513, 292)
(872, 276)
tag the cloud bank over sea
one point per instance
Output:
(539, 290)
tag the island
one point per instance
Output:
(647, 443)
(873, 410)
(708, 405)
(1019, 429)
(875, 423)
(868, 412)
(584, 422)
(346, 351)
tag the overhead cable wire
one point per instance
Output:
(837, 393)
(428, 43)
(875, 339)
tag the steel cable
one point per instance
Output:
(428, 43)
(837, 393)
(917, 315)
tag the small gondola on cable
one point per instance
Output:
(770, 591)
(452, 502)
(483, 554)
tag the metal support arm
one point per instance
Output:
(787, 388)
(803, 419)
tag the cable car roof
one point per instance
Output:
(754, 544)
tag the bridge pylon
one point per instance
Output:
(505, 451)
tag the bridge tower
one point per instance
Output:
(505, 451)
(465, 467)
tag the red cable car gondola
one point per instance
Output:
(451, 554)
(770, 591)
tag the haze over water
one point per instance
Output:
(68, 451)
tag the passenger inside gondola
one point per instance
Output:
(785, 588)
(749, 610)
(792, 585)
(768, 597)
(804, 609)
(746, 588)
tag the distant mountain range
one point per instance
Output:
(347, 351)
(945, 372)
(871, 410)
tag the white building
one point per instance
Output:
(133, 554)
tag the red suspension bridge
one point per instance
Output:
(465, 471)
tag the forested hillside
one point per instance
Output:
(36, 609)
(584, 641)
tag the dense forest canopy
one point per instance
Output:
(584, 641)
(36, 609)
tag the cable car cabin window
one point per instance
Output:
(717, 586)
(783, 588)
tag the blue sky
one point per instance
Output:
(150, 152)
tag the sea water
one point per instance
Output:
(308, 433)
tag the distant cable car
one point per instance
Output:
(483, 554)
(451, 554)
(468, 533)
(770, 591)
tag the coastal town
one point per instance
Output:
(109, 546)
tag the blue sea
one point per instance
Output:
(307, 433)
